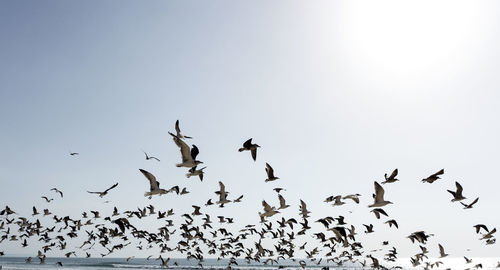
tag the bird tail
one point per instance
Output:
(241, 149)
(178, 165)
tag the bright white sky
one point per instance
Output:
(336, 93)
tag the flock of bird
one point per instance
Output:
(274, 240)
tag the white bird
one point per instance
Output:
(378, 197)
(188, 155)
(154, 185)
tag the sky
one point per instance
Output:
(336, 94)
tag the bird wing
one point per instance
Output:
(248, 143)
(152, 179)
(267, 207)
(269, 170)
(112, 187)
(282, 200)
(441, 250)
(184, 148)
(194, 152)
(177, 129)
(440, 172)
(474, 202)
(459, 188)
(379, 192)
(254, 153)
(394, 174)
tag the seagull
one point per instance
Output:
(248, 146)
(268, 210)
(303, 210)
(378, 211)
(354, 197)
(441, 252)
(457, 195)
(378, 197)
(283, 204)
(392, 222)
(188, 155)
(469, 206)
(479, 227)
(103, 193)
(467, 260)
(150, 157)
(369, 228)
(73, 153)
(47, 199)
(222, 195)
(58, 191)
(194, 172)
(154, 186)
(178, 131)
(270, 173)
(392, 178)
(338, 201)
(433, 177)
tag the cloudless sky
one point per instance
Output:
(336, 93)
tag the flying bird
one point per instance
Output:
(392, 178)
(457, 195)
(103, 193)
(270, 173)
(58, 191)
(47, 199)
(442, 254)
(378, 197)
(248, 146)
(150, 157)
(433, 177)
(188, 154)
(195, 172)
(154, 185)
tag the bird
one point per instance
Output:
(248, 146)
(457, 195)
(103, 193)
(195, 172)
(150, 157)
(378, 211)
(392, 222)
(188, 154)
(178, 131)
(47, 199)
(268, 210)
(58, 191)
(154, 185)
(469, 206)
(392, 178)
(354, 197)
(73, 153)
(283, 204)
(378, 197)
(369, 228)
(479, 227)
(442, 254)
(270, 173)
(433, 177)
(222, 195)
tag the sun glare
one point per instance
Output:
(407, 39)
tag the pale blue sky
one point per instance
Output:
(336, 93)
